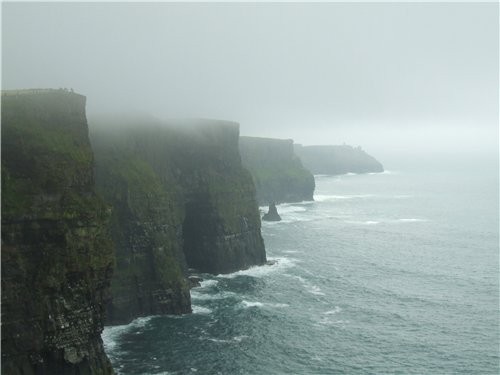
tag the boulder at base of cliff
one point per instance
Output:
(272, 214)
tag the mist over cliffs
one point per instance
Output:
(103, 223)
(278, 173)
(78, 248)
(337, 159)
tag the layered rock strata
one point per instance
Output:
(56, 252)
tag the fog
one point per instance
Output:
(395, 78)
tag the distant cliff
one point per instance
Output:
(185, 201)
(278, 173)
(56, 253)
(337, 159)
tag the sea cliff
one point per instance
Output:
(186, 200)
(335, 160)
(56, 253)
(278, 173)
(112, 230)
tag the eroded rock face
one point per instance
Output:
(222, 223)
(56, 251)
(272, 214)
(278, 173)
(147, 231)
(180, 198)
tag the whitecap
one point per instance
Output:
(207, 296)
(384, 172)
(279, 305)
(328, 198)
(247, 304)
(111, 334)
(286, 209)
(208, 283)
(300, 278)
(316, 290)
(367, 222)
(240, 338)
(334, 311)
(280, 263)
(200, 310)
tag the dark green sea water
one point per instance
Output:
(383, 273)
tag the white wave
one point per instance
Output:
(240, 338)
(367, 222)
(316, 290)
(384, 172)
(334, 311)
(300, 278)
(332, 322)
(280, 263)
(208, 283)
(286, 209)
(402, 196)
(208, 297)
(200, 310)
(247, 304)
(111, 334)
(328, 198)
(279, 305)
(251, 304)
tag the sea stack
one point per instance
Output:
(272, 214)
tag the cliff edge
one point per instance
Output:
(56, 253)
(340, 159)
(180, 199)
(278, 173)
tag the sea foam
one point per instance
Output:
(280, 264)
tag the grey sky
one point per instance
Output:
(386, 76)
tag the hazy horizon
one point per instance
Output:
(395, 78)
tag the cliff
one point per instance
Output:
(186, 201)
(337, 159)
(149, 277)
(56, 252)
(278, 173)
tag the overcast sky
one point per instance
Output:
(385, 76)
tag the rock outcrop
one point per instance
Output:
(56, 251)
(335, 160)
(278, 173)
(185, 200)
(272, 214)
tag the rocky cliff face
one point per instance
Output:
(185, 201)
(222, 223)
(278, 173)
(337, 159)
(56, 252)
(146, 226)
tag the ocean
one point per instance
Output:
(389, 273)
